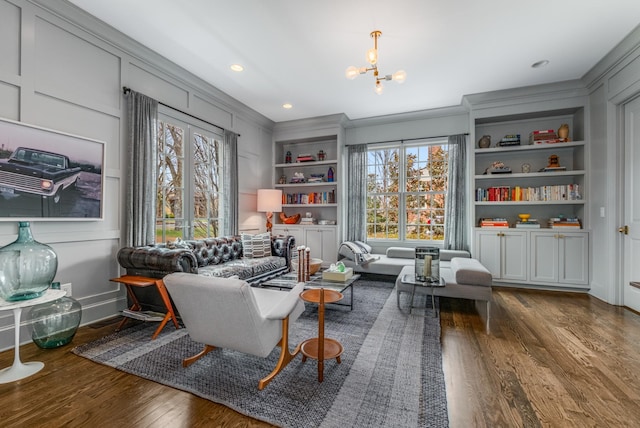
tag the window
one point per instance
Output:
(188, 180)
(406, 190)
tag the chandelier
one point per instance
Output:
(372, 58)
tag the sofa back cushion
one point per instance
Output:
(256, 246)
(213, 251)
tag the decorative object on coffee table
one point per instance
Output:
(28, 267)
(427, 264)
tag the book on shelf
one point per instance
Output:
(553, 168)
(528, 224)
(510, 140)
(493, 222)
(546, 135)
(305, 158)
(565, 223)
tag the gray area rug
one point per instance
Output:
(390, 376)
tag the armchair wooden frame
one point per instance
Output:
(285, 355)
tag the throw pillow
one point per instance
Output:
(256, 246)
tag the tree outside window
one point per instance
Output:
(188, 184)
(406, 189)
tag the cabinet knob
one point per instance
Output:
(624, 229)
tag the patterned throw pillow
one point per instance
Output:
(256, 246)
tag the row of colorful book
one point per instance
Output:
(310, 198)
(553, 223)
(558, 192)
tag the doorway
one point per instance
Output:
(631, 227)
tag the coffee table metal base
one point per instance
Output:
(411, 279)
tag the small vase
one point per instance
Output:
(484, 142)
(27, 267)
(55, 323)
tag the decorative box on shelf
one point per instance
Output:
(338, 276)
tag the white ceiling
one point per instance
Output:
(296, 51)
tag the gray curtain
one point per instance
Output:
(356, 199)
(230, 184)
(455, 233)
(141, 169)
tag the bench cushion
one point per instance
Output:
(470, 271)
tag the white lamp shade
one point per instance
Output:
(269, 200)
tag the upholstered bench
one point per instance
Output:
(465, 278)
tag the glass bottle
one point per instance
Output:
(27, 267)
(55, 323)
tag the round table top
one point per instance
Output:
(312, 295)
(49, 296)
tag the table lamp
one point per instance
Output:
(269, 201)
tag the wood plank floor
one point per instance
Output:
(551, 359)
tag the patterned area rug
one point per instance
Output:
(390, 376)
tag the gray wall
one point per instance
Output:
(62, 69)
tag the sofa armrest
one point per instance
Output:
(283, 246)
(470, 271)
(156, 262)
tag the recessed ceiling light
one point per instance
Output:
(237, 67)
(287, 106)
(540, 64)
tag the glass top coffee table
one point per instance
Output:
(289, 280)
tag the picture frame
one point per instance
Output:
(49, 174)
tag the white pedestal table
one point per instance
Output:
(20, 370)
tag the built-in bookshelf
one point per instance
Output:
(530, 186)
(307, 170)
(531, 172)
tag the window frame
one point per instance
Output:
(191, 126)
(402, 194)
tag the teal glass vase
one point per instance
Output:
(27, 267)
(55, 323)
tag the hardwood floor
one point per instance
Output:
(551, 359)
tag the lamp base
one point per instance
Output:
(269, 224)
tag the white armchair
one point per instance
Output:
(229, 313)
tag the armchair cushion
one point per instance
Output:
(229, 313)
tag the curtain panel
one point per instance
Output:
(455, 234)
(230, 184)
(142, 115)
(356, 199)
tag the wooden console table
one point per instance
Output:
(321, 348)
(143, 281)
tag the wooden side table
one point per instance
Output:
(321, 348)
(143, 281)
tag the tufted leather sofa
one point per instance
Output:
(217, 257)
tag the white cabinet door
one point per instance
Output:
(487, 251)
(285, 229)
(544, 257)
(503, 252)
(514, 256)
(560, 257)
(574, 258)
(323, 243)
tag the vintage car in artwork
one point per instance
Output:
(37, 172)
